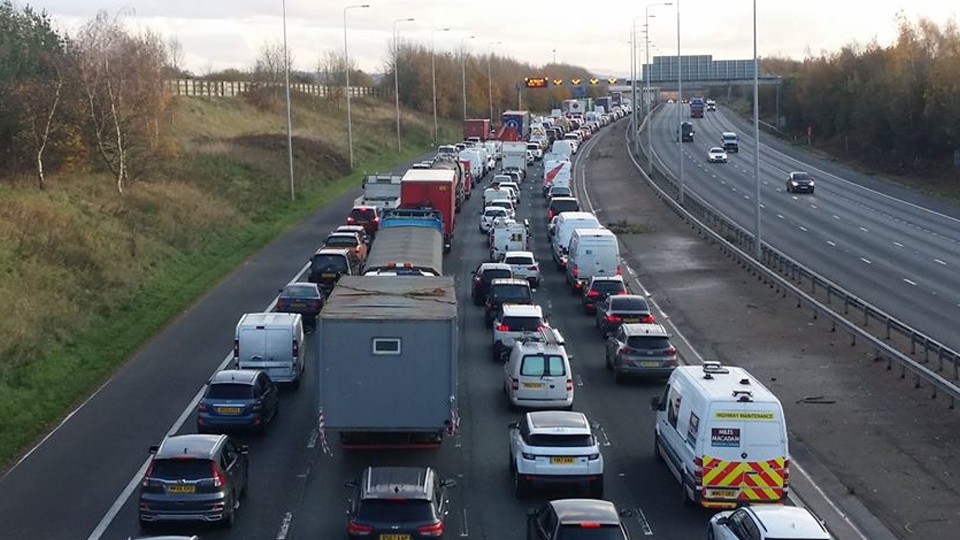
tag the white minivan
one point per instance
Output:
(562, 147)
(477, 160)
(271, 342)
(566, 223)
(591, 252)
(723, 435)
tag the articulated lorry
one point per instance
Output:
(409, 243)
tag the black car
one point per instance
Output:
(194, 478)
(238, 399)
(302, 298)
(800, 182)
(562, 204)
(576, 519)
(599, 288)
(327, 266)
(622, 309)
(505, 291)
(483, 276)
(398, 503)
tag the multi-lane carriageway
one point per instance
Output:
(81, 481)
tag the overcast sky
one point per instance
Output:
(218, 34)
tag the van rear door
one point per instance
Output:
(269, 349)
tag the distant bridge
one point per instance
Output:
(697, 72)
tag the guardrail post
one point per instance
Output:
(926, 350)
(866, 315)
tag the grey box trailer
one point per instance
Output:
(388, 361)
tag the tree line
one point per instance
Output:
(897, 105)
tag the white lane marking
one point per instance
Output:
(464, 531)
(864, 229)
(898, 244)
(831, 243)
(127, 491)
(285, 526)
(836, 216)
(644, 524)
(938, 261)
(802, 228)
(911, 282)
(813, 206)
(579, 380)
(763, 206)
(866, 260)
(780, 216)
(312, 441)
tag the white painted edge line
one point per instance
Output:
(114, 509)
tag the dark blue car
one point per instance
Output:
(238, 399)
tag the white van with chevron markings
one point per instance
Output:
(723, 436)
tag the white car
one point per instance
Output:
(536, 149)
(515, 321)
(530, 158)
(504, 184)
(490, 213)
(551, 447)
(524, 265)
(506, 205)
(767, 522)
(717, 155)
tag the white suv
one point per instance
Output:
(762, 522)
(489, 214)
(524, 266)
(551, 447)
(513, 322)
(538, 373)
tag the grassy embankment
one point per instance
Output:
(88, 275)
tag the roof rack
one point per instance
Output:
(711, 367)
(546, 334)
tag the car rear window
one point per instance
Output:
(650, 343)
(522, 324)
(345, 241)
(560, 192)
(604, 532)
(363, 213)
(300, 291)
(181, 469)
(508, 293)
(542, 365)
(230, 391)
(608, 286)
(395, 510)
(565, 206)
(494, 212)
(329, 263)
(518, 260)
(561, 441)
(497, 273)
(629, 304)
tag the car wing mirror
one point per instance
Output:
(514, 425)
(244, 449)
(153, 449)
(655, 403)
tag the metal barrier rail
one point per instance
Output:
(737, 242)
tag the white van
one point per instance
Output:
(556, 173)
(562, 147)
(477, 161)
(271, 342)
(723, 436)
(591, 252)
(566, 223)
(511, 236)
(496, 194)
(493, 149)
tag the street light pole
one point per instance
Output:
(648, 101)
(679, 109)
(757, 249)
(286, 71)
(463, 73)
(346, 68)
(489, 79)
(633, 83)
(396, 75)
(433, 76)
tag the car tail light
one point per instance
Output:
(202, 407)
(576, 271)
(628, 350)
(613, 318)
(514, 384)
(534, 267)
(671, 350)
(569, 385)
(550, 215)
(786, 473)
(218, 478)
(351, 219)
(619, 271)
(315, 304)
(147, 475)
(280, 303)
(648, 319)
(621, 293)
(236, 349)
(503, 328)
(593, 294)
(697, 472)
(296, 349)
(434, 529)
(590, 525)
(355, 529)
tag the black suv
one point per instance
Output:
(398, 502)
(194, 478)
(327, 266)
(505, 291)
(576, 519)
(559, 205)
(483, 276)
(800, 182)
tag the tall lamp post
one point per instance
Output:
(346, 68)
(396, 75)
(757, 247)
(679, 109)
(463, 73)
(489, 79)
(286, 72)
(648, 101)
(433, 77)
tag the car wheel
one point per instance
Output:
(811, 191)
(596, 490)
(230, 518)
(520, 488)
(656, 449)
(687, 501)
(710, 534)
(145, 525)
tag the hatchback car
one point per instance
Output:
(349, 241)
(549, 448)
(238, 399)
(800, 182)
(506, 205)
(559, 205)
(194, 478)
(576, 519)
(717, 155)
(398, 503)
(537, 374)
(367, 216)
(559, 191)
(640, 350)
(505, 291)
(763, 522)
(302, 298)
(359, 231)
(622, 309)
(599, 288)
(489, 214)
(328, 265)
(524, 266)
(483, 276)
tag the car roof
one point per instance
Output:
(572, 511)
(241, 376)
(341, 234)
(191, 445)
(557, 421)
(522, 310)
(606, 278)
(627, 297)
(495, 266)
(333, 251)
(397, 483)
(519, 254)
(645, 329)
(509, 281)
(788, 522)
(350, 229)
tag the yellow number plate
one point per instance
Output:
(562, 461)
(532, 385)
(328, 276)
(650, 364)
(182, 488)
(722, 493)
(394, 537)
(229, 410)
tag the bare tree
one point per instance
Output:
(175, 56)
(331, 72)
(39, 100)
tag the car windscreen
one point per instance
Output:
(608, 286)
(522, 324)
(649, 343)
(508, 293)
(801, 176)
(329, 263)
(604, 532)
(629, 304)
(564, 206)
(300, 291)
(496, 273)
(526, 260)
(561, 441)
(396, 510)
(560, 192)
(341, 241)
(181, 469)
(230, 391)
(542, 365)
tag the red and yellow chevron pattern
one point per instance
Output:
(746, 481)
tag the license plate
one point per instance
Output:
(532, 385)
(229, 410)
(562, 461)
(722, 493)
(631, 320)
(182, 488)
(328, 276)
(394, 537)
(298, 304)
(650, 364)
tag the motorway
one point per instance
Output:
(900, 253)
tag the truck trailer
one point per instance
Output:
(476, 127)
(432, 189)
(516, 125)
(388, 362)
(409, 243)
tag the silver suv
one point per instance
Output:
(641, 350)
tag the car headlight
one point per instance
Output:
(811, 183)
(793, 182)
